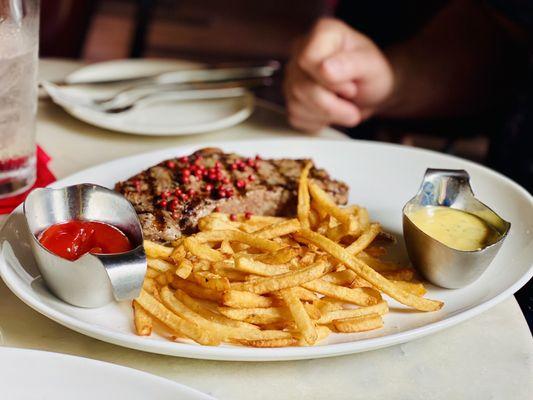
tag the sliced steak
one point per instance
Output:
(172, 196)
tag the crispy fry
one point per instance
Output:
(359, 324)
(184, 269)
(283, 281)
(142, 320)
(255, 267)
(202, 250)
(177, 324)
(151, 273)
(376, 264)
(178, 254)
(208, 312)
(364, 240)
(159, 265)
(149, 285)
(402, 274)
(327, 304)
(304, 200)
(342, 278)
(156, 250)
(173, 302)
(237, 236)
(195, 290)
(270, 343)
(326, 203)
(360, 296)
(381, 309)
(281, 256)
(240, 299)
(370, 275)
(256, 315)
(280, 229)
(210, 280)
(415, 288)
(303, 322)
(226, 248)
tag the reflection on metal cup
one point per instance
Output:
(93, 280)
(440, 264)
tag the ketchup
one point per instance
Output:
(73, 239)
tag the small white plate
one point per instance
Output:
(165, 118)
(381, 177)
(31, 374)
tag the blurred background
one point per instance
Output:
(237, 30)
(233, 30)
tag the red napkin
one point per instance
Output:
(44, 178)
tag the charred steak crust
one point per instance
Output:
(172, 196)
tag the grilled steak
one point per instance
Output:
(172, 196)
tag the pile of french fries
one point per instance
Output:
(273, 282)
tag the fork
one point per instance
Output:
(141, 95)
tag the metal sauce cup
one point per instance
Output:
(93, 280)
(440, 264)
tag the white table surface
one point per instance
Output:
(487, 357)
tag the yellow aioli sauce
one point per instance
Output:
(455, 228)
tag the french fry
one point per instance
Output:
(173, 302)
(326, 318)
(361, 296)
(283, 281)
(207, 311)
(270, 343)
(159, 265)
(376, 264)
(201, 250)
(237, 236)
(255, 267)
(343, 278)
(322, 333)
(259, 316)
(151, 273)
(304, 200)
(364, 240)
(359, 324)
(415, 288)
(327, 304)
(195, 290)
(175, 323)
(226, 248)
(326, 203)
(210, 280)
(280, 229)
(303, 322)
(156, 250)
(240, 299)
(184, 269)
(367, 273)
(142, 320)
(149, 285)
(402, 274)
(178, 254)
(281, 256)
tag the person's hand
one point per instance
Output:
(336, 76)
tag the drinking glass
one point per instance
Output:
(19, 43)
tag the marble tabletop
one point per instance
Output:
(487, 357)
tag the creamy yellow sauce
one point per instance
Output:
(455, 228)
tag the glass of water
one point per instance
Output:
(19, 42)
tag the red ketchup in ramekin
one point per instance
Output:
(71, 240)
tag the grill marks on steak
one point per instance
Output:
(271, 189)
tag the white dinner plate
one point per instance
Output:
(381, 176)
(165, 118)
(41, 375)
